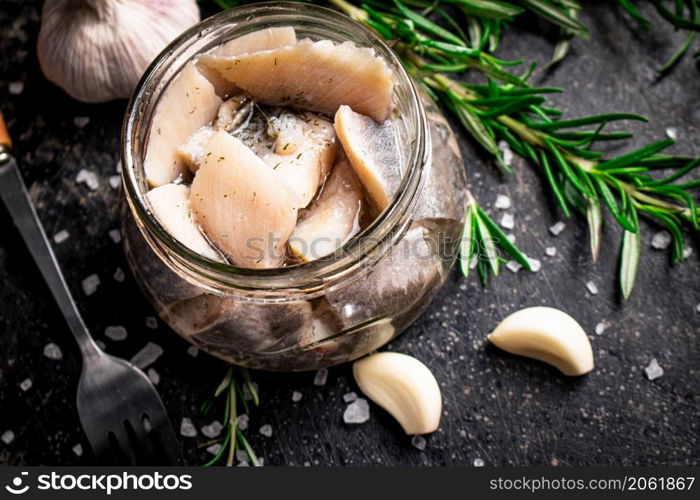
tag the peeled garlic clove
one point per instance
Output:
(404, 387)
(548, 335)
(97, 50)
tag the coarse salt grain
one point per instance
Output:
(592, 287)
(90, 284)
(600, 328)
(7, 437)
(115, 181)
(296, 396)
(478, 462)
(153, 376)
(61, 236)
(26, 384)
(321, 377)
(147, 355)
(115, 235)
(81, 121)
(535, 264)
(52, 351)
(118, 275)
(508, 221)
(266, 430)
(511, 237)
(192, 351)
(418, 442)
(88, 178)
(502, 202)
(557, 228)
(506, 152)
(672, 133)
(349, 397)
(187, 428)
(242, 421)
(116, 333)
(212, 430)
(214, 449)
(661, 240)
(15, 88)
(151, 322)
(514, 266)
(357, 412)
(653, 370)
(550, 251)
(78, 450)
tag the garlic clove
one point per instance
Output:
(548, 335)
(404, 387)
(187, 104)
(97, 50)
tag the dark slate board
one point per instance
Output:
(498, 408)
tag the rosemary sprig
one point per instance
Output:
(507, 109)
(233, 388)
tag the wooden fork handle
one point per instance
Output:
(4, 134)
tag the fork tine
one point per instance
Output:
(121, 446)
(164, 438)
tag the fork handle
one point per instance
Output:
(18, 203)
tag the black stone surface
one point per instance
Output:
(497, 408)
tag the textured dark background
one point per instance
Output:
(498, 408)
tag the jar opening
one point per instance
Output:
(357, 254)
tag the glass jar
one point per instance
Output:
(324, 312)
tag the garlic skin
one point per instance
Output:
(548, 335)
(404, 387)
(97, 50)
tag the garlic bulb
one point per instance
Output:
(97, 50)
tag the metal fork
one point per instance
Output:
(122, 415)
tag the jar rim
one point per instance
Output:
(359, 252)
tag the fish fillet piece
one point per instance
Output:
(305, 169)
(373, 154)
(317, 76)
(241, 205)
(265, 39)
(187, 104)
(171, 206)
(332, 219)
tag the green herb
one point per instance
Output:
(235, 389)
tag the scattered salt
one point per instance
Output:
(187, 428)
(508, 221)
(115, 181)
(7, 437)
(592, 287)
(535, 264)
(557, 228)
(52, 351)
(506, 152)
(243, 464)
(550, 251)
(212, 430)
(116, 235)
(418, 442)
(214, 449)
(661, 240)
(151, 322)
(478, 462)
(511, 237)
(349, 397)
(192, 351)
(241, 456)
(672, 133)
(502, 202)
(266, 430)
(118, 275)
(147, 356)
(242, 421)
(16, 88)
(357, 412)
(116, 333)
(147, 425)
(89, 178)
(90, 284)
(600, 328)
(653, 370)
(78, 450)
(101, 344)
(61, 236)
(687, 252)
(514, 266)
(296, 396)
(118, 167)
(81, 121)
(25, 384)
(321, 377)
(153, 376)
